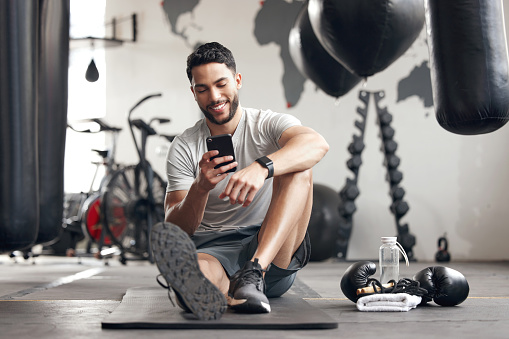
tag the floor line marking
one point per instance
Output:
(62, 300)
(335, 299)
(488, 298)
(324, 299)
(61, 281)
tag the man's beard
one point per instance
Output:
(233, 109)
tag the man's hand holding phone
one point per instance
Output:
(217, 162)
(243, 185)
(210, 172)
(224, 145)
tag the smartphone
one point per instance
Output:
(223, 143)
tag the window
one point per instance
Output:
(86, 99)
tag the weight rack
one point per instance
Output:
(350, 191)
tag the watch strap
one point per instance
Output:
(267, 163)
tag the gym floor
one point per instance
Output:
(62, 297)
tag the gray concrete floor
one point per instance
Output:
(60, 297)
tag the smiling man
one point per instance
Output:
(238, 238)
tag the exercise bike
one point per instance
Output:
(133, 200)
(82, 215)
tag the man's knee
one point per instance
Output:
(304, 178)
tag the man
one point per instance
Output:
(242, 235)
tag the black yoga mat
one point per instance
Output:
(150, 308)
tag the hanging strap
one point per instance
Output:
(402, 250)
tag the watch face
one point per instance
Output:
(264, 161)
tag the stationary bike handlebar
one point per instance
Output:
(140, 102)
(146, 129)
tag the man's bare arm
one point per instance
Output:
(301, 149)
(186, 208)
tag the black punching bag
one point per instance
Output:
(315, 63)
(52, 121)
(366, 36)
(468, 63)
(19, 202)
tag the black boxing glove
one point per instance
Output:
(447, 287)
(356, 276)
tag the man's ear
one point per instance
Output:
(192, 90)
(238, 80)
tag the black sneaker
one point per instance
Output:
(178, 298)
(247, 290)
(175, 256)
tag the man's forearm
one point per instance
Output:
(299, 153)
(188, 213)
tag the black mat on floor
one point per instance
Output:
(150, 308)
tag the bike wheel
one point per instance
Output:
(128, 211)
(91, 222)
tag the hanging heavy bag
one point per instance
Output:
(468, 63)
(366, 36)
(52, 116)
(315, 63)
(19, 201)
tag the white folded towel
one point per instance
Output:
(388, 302)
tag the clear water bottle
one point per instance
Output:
(389, 259)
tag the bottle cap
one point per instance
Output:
(389, 240)
(393, 240)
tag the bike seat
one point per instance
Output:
(102, 153)
(142, 125)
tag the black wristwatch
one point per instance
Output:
(267, 163)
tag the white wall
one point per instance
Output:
(454, 184)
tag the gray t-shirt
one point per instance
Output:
(256, 135)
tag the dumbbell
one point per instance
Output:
(347, 208)
(394, 177)
(392, 161)
(399, 208)
(390, 146)
(350, 191)
(387, 132)
(385, 118)
(397, 193)
(345, 228)
(356, 146)
(354, 162)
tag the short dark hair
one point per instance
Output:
(210, 52)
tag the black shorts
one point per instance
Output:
(234, 247)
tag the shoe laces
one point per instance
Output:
(252, 275)
(166, 286)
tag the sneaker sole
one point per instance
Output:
(175, 257)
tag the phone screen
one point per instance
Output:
(223, 143)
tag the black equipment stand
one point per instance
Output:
(350, 191)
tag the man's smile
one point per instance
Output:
(218, 107)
